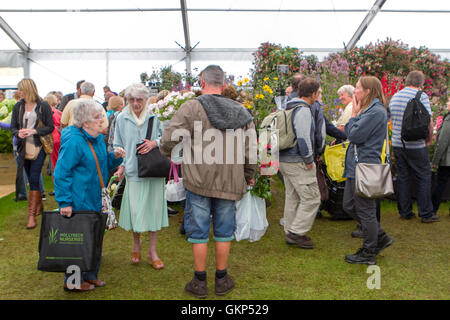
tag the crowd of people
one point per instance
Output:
(90, 138)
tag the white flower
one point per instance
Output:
(188, 94)
(170, 109)
(161, 104)
(4, 111)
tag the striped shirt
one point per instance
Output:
(397, 107)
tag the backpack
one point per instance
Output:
(281, 120)
(416, 121)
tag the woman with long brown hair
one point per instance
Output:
(367, 130)
(31, 119)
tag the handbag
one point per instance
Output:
(374, 180)
(111, 222)
(152, 164)
(175, 191)
(47, 140)
(64, 242)
(31, 151)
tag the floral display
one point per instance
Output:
(167, 107)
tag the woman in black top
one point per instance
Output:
(31, 119)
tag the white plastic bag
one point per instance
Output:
(175, 190)
(251, 221)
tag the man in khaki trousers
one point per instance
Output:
(298, 169)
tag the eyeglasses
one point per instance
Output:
(138, 100)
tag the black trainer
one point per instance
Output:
(197, 288)
(433, 218)
(224, 285)
(409, 216)
(384, 241)
(362, 256)
(358, 234)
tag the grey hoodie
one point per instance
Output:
(224, 113)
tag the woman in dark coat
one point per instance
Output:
(31, 119)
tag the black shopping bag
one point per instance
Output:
(70, 241)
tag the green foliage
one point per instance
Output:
(169, 79)
(261, 187)
(6, 107)
(5, 141)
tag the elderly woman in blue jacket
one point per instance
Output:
(77, 184)
(367, 130)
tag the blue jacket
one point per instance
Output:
(77, 182)
(368, 132)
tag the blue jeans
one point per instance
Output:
(33, 169)
(21, 189)
(415, 163)
(197, 218)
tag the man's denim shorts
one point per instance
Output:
(197, 218)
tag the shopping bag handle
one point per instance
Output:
(173, 168)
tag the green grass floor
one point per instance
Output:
(416, 266)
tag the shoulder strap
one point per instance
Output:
(418, 95)
(148, 136)
(96, 163)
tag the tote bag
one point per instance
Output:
(374, 180)
(64, 242)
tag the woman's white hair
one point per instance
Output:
(348, 89)
(84, 111)
(137, 90)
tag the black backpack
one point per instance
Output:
(416, 120)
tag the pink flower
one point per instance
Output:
(438, 122)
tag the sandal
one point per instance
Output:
(156, 264)
(135, 257)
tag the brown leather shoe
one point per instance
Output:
(85, 286)
(303, 242)
(32, 206)
(224, 285)
(97, 283)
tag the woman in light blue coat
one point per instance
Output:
(144, 206)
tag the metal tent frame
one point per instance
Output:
(25, 54)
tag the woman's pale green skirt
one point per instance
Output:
(144, 205)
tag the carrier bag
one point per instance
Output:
(64, 242)
(251, 221)
(175, 190)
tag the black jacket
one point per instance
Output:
(44, 113)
